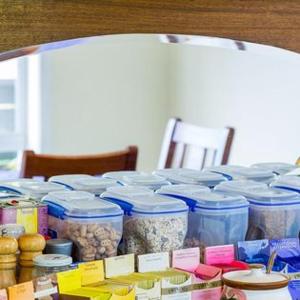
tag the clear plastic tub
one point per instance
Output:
(152, 223)
(189, 176)
(83, 182)
(238, 172)
(277, 168)
(214, 218)
(240, 186)
(31, 188)
(94, 225)
(288, 182)
(182, 191)
(118, 175)
(273, 214)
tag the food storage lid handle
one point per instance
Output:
(55, 210)
(127, 207)
(189, 202)
(224, 174)
(6, 188)
(63, 184)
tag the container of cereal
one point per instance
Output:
(30, 214)
(31, 188)
(94, 225)
(189, 176)
(277, 168)
(82, 182)
(214, 218)
(238, 172)
(288, 182)
(152, 223)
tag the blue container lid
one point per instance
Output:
(240, 186)
(239, 172)
(278, 168)
(144, 202)
(288, 182)
(189, 176)
(79, 204)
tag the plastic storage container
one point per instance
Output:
(277, 168)
(82, 182)
(31, 188)
(152, 223)
(118, 175)
(189, 176)
(214, 218)
(238, 172)
(94, 225)
(240, 186)
(32, 215)
(288, 182)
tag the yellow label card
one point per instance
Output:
(28, 218)
(119, 265)
(21, 291)
(69, 280)
(91, 272)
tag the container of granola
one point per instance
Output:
(152, 223)
(94, 225)
(83, 182)
(214, 218)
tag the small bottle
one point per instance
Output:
(8, 261)
(31, 245)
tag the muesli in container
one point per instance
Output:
(30, 188)
(278, 168)
(83, 182)
(189, 176)
(152, 223)
(232, 172)
(94, 225)
(214, 218)
(288, 182)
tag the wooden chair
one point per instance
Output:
(49, 165)
(187, 145)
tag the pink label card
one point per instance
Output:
(186, 259)
(219, 255)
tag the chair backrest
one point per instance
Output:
(191, 146)
(49, 165)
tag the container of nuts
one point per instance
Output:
(94, 225)
(152, 223)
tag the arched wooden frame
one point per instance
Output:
(24, 23)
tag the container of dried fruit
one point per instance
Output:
(83, 182)
(214, 218)
(94, 225)
(278, 168)
(152, 223)
(189, 176)
(30, 188)
(232, 172)
(273, 213)
(287, 182)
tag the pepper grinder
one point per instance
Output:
(31, 245)
(8, 261)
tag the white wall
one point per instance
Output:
(259, 95)
(104, 96)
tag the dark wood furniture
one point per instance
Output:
(49, 165)
(24, 23)
(205, 146)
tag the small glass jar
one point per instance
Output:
(12, 230)
(46, 264)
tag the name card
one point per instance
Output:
(69, 280)
(21, 291)
(153, 262)
(219, 255)
(186, 259)
(91, 272)
(119, 265)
